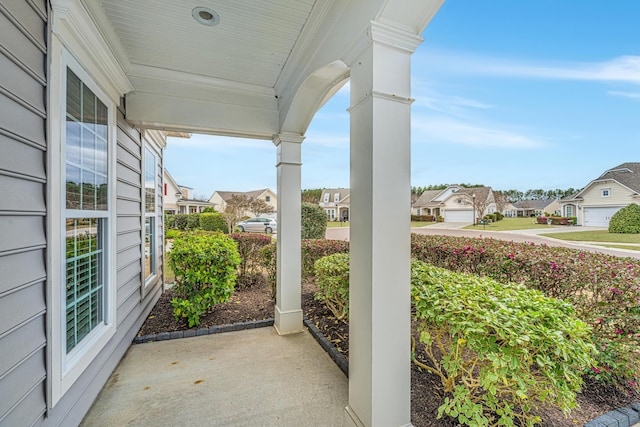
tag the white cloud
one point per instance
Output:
(632, 95)
(621, 69)
(328, 140)
(445, 129)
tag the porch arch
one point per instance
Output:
(316, 89)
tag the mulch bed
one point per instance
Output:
(255, 302)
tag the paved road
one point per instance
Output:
(514, 235)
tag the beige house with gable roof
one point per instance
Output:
(456, 203)
(336, 202)
(220, 199)
(596, 203)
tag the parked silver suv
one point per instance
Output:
(258, 225)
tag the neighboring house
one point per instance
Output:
(528, 208)
(599, 200)
(455, 203)
(335, 202)
(180, 199)
(85, 82)
(510, 210)
(220, 199)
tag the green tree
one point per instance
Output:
(314, 221)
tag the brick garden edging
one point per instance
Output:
(623, 417)
(331, 350)
(218, 329)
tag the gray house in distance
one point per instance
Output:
(87, 90)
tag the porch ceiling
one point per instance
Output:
(244, 75)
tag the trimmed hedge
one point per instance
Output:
(213, 222)
(205, 265)
(249, 248)
(314, 221)
(626, 220)
(602, 288)
(332, 278)
(423, 218)
(500, 350)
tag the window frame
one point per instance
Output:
(147, 281)
(607, 190)
(66, 368)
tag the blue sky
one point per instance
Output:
(510, 94)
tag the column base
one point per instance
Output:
(351, 419)
(288, 322)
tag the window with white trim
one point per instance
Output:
(86, 213)
(82, 222)
(606, 192)
(150, 222)
(267, 199)
(336, 197)
(326, 197)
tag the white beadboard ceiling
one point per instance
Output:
(264, 69)
(251, 44)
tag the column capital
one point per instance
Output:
(279, 138)
(386, 33)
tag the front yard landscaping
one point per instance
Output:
(596, 236)
(507, 224)
(502, 329)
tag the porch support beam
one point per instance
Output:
(379, 311)
(288, 312)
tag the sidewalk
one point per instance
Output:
(246, 378)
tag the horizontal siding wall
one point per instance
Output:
(23, 153)
(132, 309)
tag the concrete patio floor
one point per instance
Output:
(247, 378)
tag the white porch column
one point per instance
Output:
(379, 322)
(288, 315)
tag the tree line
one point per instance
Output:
(313, 195)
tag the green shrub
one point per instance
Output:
(499, 350)
(312, 250)
(332, 278)
(249, 248)
(314, 221)
(180, 221)
(422, 218)
(205, 265)
(193, 221)
(626, 220)
(169, 221)
(172, 234)
(213, 221)
(602, 288)
(268, 257)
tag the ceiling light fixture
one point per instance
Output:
(205, 16)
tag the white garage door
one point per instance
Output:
(598, 217)
(464, 215)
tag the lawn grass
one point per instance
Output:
(628, 247)
(338, 224)
(596, 236)
(169, 275)
(421, 223)
(509, 224)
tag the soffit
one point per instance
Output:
(250, 45)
